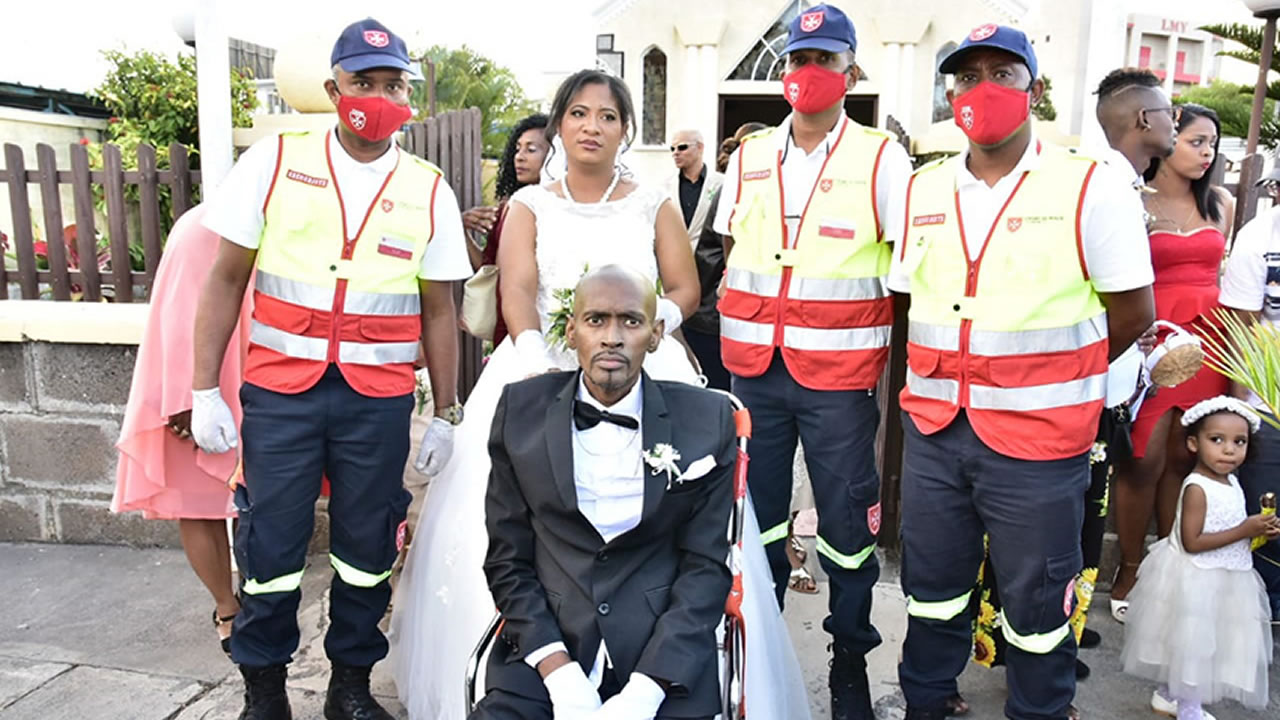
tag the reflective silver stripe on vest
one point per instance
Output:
(377, 353)
(294, 291)
(745, 331)
(933, 388)
(938, 337)
(752, 282)
(808, 288)
(1031, 342)
(298, 346)
(1038, 397)
(804, 338)
(367, 303)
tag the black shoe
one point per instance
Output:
(264, 694)
(1082, 670)
(349, 698)
(850, 691)
(936, 714)
(1090, 639)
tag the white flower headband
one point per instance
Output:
(1222, 403)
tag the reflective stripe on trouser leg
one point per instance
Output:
(941, 610)
(284, 583)
(354, 576)
(1035, 643)
(837, 433)
(775, 533)
(769, 474)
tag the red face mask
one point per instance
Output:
(372, 118)
(989, 113)
(812, 89)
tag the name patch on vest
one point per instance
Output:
(395, 247)
(832, 229)
(306, 179)
(757, 175)
(937, 219)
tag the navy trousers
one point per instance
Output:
(838, 429)
(706, 347)
(955, 488)
(1261, 474)
(290, 441)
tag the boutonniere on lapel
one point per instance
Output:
(663, 458)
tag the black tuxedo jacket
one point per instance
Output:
(654, 594)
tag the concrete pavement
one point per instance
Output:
(114, 633)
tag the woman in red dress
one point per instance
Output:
(1190, 221)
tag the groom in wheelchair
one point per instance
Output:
(607, 511)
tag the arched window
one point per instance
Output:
(654, 112)
(941, 108)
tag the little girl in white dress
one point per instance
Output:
(1198, 622)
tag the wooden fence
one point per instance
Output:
(65, 270)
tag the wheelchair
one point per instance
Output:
(732, 638)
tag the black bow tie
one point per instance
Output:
(587, 416)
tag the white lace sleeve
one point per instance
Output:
(653, 197)
(529, 196)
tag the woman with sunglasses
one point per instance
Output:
(1190, 220)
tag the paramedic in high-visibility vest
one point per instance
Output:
(353, 246)
(805, 321)
(1027, 270)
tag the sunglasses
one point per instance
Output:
(681, 147)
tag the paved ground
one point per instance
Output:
(110, 633)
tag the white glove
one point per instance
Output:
(669, 313)
(573, 697)
(639, 700)
(533, 352)
(437, 447)
(212, 426)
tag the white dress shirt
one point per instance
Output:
(235, 206)
(608, 473)
(800, 171)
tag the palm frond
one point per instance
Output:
(1248, 354)
(1249, 36)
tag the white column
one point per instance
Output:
(1171, 62)
(213, 93)
(906, 81)
(1135, 47)
(1206, 62)
(709, 96)
(889, 84)
(691, 79)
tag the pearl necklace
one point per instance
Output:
(613, 183)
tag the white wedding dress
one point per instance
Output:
(442, 604)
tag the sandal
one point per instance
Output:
(956, 705)
(218, 622)
(802, 582)
(1119, 608)
(797, 550)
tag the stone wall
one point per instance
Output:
(61, 405)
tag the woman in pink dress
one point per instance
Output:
(1189, 222)
(160, 471)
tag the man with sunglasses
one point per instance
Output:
(695, 183)
(805, 321)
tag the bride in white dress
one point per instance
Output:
(590, 218)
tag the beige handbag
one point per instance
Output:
(1177, 359)
(480, 302)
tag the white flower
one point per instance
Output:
(663, 458)
(1098, 453)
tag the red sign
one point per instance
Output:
(396, 248)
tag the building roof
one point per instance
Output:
(40, 99)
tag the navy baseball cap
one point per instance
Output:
(369, 44)
(1000, 37)
(821, 27)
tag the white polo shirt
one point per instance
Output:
(1116, 250)
(800, 173)
(1252, 279)
(235, 209)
